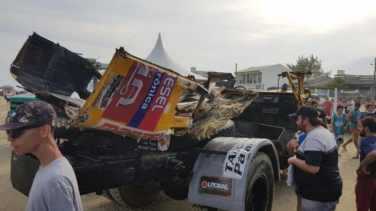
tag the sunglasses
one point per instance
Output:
(15, 133)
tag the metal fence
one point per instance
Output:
(357, 95)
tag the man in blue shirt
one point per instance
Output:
(365, 189)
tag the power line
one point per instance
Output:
(14, 48)
(4, 64)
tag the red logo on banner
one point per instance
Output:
(159, 103)
(204, 184)
(130, 93)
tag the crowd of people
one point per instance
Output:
(315, 151)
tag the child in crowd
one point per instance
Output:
(338, 124)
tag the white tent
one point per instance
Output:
(160, 57)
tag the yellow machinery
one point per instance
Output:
(299, 92)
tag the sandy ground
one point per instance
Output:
(284, 198)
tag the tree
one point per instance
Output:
(310, 65)
(338, 83)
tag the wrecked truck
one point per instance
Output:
(144, 129)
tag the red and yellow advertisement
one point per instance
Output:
(135, 98)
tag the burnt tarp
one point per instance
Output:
(42, 65)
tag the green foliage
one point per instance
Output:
(310, 65)
(338, 83)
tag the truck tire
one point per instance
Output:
(136, 195)
(177, 191)
(260, 184)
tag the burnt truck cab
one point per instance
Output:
(224, 148)
(107, 163)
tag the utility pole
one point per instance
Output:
(374, 82)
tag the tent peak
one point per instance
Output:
(160, 57)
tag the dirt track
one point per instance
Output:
(284, 198)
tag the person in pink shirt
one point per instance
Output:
(328, 106)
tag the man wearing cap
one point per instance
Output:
(316, 172)
(30, 130)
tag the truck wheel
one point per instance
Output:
(176, 191)
(260, 184)
(136, 195)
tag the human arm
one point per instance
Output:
(63, 198)
(362, 116)
(349, 115)
(324, 122)
(332, 108)
(322, 116)
(370, 158)
(291, 146)
(346, 122)
(303, 165)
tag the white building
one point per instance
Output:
(200, 72)
(261, 78)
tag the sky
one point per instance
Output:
(209, 35)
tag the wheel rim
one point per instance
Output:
(258, 198)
